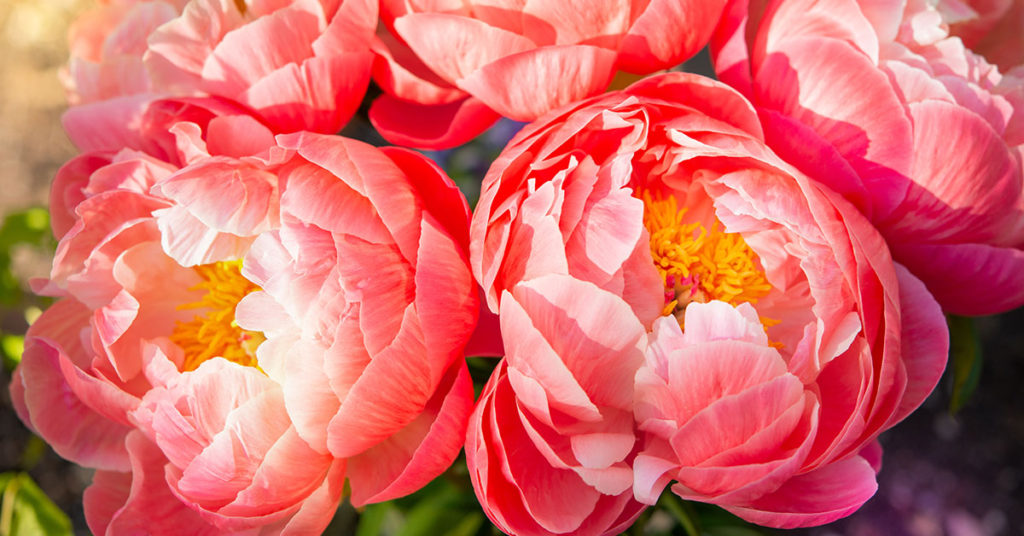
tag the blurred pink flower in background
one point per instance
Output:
(784, 339)
(924, 136)
(991, 28)
(464, 63)
(343, 359)
(296, 65)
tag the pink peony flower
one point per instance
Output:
(988, 27)
(924, 136)
(465, 63)
(550, 442)
(297, 65)
(252, 325)
(781, 339)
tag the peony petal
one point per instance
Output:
(838, 92)
(821, 496)
(416, 454)
(667, 33)
(967, 279)
(453, 46)
(72, 428)
(126, 503)
(441, 126)
(545, 78)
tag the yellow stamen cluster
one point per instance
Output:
(215, 333)
(697, 264)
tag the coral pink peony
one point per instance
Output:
(991, 28)
(297, 65)
(466, 62)
(551, 439)
(924, 136)
(780, 337)
(251, 325)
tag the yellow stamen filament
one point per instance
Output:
(215, 333)
(698, 264)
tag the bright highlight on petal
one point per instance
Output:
(697, 264)
(216, 334)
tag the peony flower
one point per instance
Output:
(988, 27)
(296, 65)
(465, 63)
(924, 136)
(251, 325)
(781, 339)
(550, 441)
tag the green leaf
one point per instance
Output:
(30, 226)
(35, 449)
(732, 531)
(964, 358)
(443, 509)
(681, 511)
(26, 511)
(373, 517)
(12, 347)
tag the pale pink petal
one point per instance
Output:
(455, 47)
(237, 136)
(841, 20)
(125, 503)
(258, 48)
(546, 78)
(73, 429)
(319, 95)
(716, 100)
(594, 336)
(288, 473)
(667, 33)
(651, 475)
(814, 498)
(402, 75)
(227, 196)
(108, 125)
(838, 92)
(318, 197)
(943, 207)
(190, 242)
(308, 395)
(66, 192)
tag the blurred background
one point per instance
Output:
(944, 473)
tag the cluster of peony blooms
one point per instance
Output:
(734, 285)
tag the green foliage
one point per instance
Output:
(965, 359)
(12, 346)
(445, 507)
(29, 227)
(25, 509)
(672, 516)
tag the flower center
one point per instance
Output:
(216, 334)
(699, 264)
